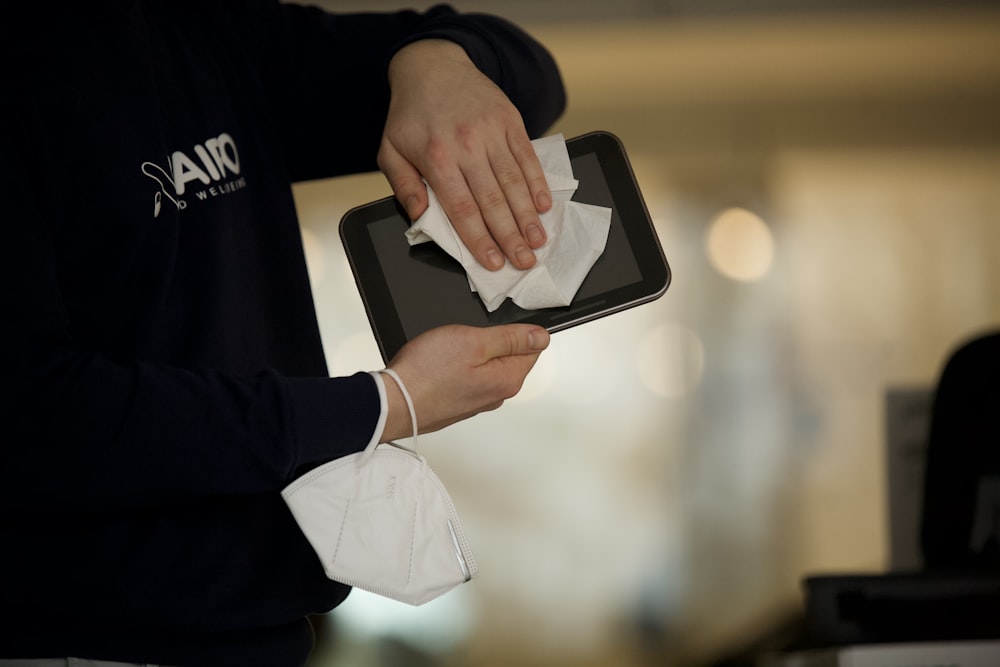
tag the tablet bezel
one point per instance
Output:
(630, 207)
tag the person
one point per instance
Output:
(162, 372)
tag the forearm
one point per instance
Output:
(523, 69)
(330, 86)
(84, 432)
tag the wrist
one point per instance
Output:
(398, 424)
(417, 58)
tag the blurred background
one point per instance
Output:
(825, 180)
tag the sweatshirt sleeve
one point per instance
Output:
(84, 429)
(90, 427)
(333, 66)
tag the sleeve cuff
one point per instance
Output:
(335, 417)
(383, 412)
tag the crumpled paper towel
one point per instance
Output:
(577, 234)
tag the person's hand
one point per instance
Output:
(454, 372)
(451, 125)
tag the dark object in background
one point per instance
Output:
(901, 607)
(956, 594)
(961, 516)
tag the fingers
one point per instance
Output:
(475, 208)
(491, 193)
(404, 179)
(510, 353)
(493, 199)
(527, 160)
(454, 372)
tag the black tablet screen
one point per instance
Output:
(408, 290)
(422, 279)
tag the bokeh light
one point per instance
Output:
(670, 360)
(740, 245)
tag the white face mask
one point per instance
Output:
(382, 521)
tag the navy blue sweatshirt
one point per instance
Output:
(161, 371)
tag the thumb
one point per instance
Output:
(404, 179)
(515, 339)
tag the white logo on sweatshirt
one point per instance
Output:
(215, 166)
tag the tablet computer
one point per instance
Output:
(408, 290)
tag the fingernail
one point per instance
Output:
(493, 259)
(524, 256)
(535, 236)
(538, 340)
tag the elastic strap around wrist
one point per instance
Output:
(409, 405)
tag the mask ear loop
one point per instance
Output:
(413, 419)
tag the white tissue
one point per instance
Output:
(577, 234)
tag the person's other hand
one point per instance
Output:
(454, 372)
(451, 125)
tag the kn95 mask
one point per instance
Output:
(382, 521)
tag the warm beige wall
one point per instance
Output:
(686, 463)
